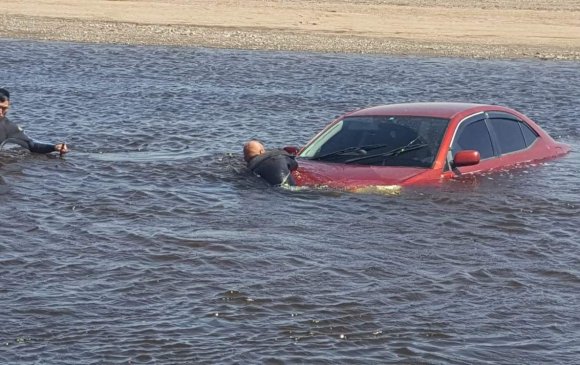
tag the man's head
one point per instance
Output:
(252, 149)
(4, 102)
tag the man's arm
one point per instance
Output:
(292, 164)
(16, 135)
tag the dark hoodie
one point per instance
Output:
(274, 167)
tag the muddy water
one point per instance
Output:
(151, 244)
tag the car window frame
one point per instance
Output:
(474, 118)
(461, 125)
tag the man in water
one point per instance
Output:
(273, 166)
(12, 133)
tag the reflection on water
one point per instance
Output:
(151, 243)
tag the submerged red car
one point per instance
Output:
(415, 143)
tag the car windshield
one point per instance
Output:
(379, 141)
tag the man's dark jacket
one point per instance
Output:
(12, 133)
(274, 167)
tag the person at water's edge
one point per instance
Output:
(12, 133)
(273, 166)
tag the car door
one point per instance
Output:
(501, 139)
(473, 134)
(514, 138)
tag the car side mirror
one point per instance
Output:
(466, 158)
(293, 150)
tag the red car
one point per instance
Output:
(416, 143)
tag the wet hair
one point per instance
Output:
(4, 95)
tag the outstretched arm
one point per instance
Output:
(16, 135)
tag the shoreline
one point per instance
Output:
(331, 26)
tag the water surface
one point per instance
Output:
(150, 243)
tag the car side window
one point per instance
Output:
(530, 135)
(509, 134)
(474, 136)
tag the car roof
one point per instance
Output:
(434, 109)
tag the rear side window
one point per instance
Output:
(474, 136)
(529, 135)
(509, 134)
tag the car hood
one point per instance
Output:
(336, 175)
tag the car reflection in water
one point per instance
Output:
(420, 143)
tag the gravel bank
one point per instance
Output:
(314, 26)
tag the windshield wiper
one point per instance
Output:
(394, 152)
(360, 149)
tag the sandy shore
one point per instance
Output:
(470, 28)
